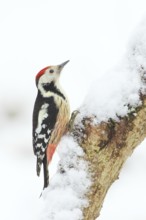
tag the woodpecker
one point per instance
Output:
(50, 117)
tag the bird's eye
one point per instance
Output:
(51, 71)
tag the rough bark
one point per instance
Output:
(106, 147)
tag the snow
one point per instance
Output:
(65, 196)
(120, 87)
(34, 34)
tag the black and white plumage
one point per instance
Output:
(50, 116)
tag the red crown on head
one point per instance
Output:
(41, 72)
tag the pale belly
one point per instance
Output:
(61, 124)
(59, 129)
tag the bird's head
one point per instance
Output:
(50, 74)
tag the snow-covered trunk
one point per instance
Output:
(111, 123)
(107, 147)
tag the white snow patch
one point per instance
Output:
(110, 95)
(65, 197)
(136, 52)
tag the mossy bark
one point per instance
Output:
(106, 147)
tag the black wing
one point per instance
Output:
(44, 119)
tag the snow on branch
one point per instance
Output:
(115, 93)
(111, 98)
(65, 196)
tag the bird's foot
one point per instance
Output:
(72, 120)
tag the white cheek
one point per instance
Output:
(46, 78)
(50, 76)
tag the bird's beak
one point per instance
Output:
(60, 67)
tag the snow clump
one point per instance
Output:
(111, 95)
(65, 198)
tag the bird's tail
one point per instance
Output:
(46, 172)
(45, 168)
(38, 166)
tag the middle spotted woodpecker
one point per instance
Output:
(50, 116)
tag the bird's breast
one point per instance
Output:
(61, 122)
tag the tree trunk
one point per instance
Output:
(106, 147)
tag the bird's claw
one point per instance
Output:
(72, 119)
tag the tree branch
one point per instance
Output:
(106, 147)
